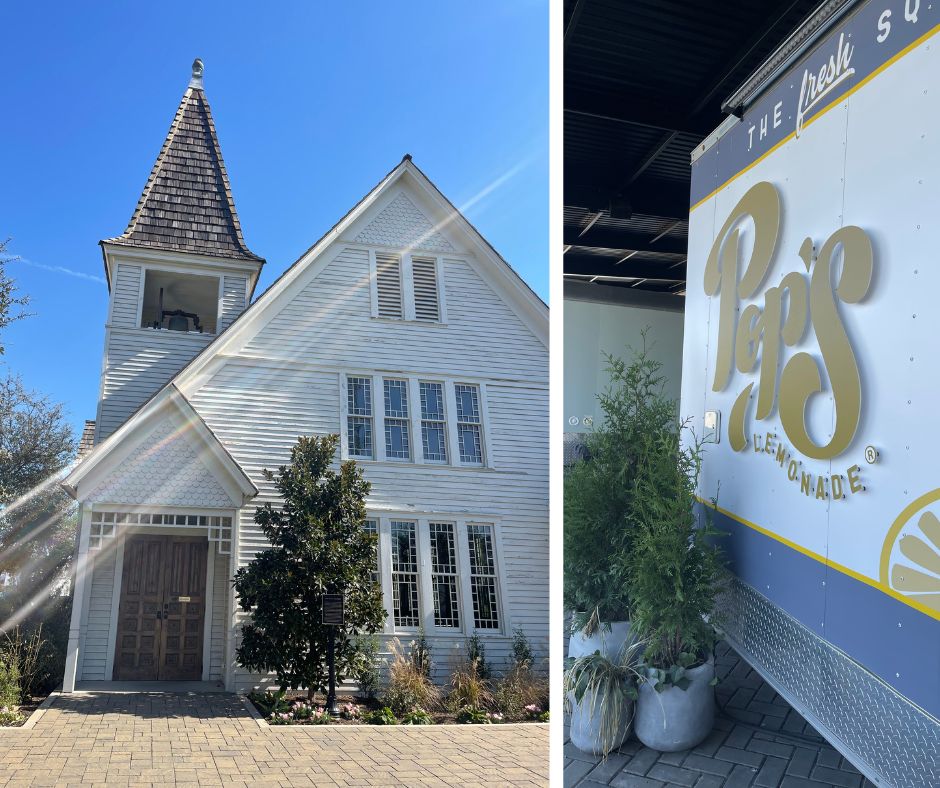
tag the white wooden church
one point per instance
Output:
(401, 329)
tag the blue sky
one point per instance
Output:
(313, 104)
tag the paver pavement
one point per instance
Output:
(211, 739)
(758, 740)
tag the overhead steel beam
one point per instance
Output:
(610, 238)
(573, 23)
(591, 265)
(624, 110)
(646, 196)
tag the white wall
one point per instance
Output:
(593, 328)
(284, 380)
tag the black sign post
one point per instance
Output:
(332, 617)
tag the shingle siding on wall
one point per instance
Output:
(401, 225)
(166, 470)
(98, 630)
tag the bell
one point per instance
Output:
(178, 323)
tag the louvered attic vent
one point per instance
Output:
(425, 282)
(388, 285)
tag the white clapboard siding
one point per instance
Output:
(424, 272)
(98, 630)
(233, 299)
(138, 363)
(126, 295)
(259, 408)
(330, 322)
(218, 608)
(388, 285)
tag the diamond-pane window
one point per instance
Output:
(483, 576)
(397, 439)
(469, 434)
(405, 574)
(372, 527)
(444, 575)
(359, 416)
(433, 424)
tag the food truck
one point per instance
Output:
(811, 368)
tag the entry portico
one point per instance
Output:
(154, 566)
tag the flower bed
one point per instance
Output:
(15, 716)
(298, 710)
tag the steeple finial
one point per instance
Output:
(198, 68)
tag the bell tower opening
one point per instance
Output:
(180, 302)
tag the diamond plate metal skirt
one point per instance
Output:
(890, 740)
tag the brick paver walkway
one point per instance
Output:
(210, 739)
(758, 740)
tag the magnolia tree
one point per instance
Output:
(318, 546)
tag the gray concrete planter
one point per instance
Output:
(608, 642)
(586, 726)
(677, 719)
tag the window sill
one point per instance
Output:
(409, 464)
(452, 634)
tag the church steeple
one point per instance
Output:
(180, 273)
(187, 204)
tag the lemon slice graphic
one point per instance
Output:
(910, 558)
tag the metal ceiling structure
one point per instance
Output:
(644, 82)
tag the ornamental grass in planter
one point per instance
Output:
(600, 527)
(675, 575)
(600, 695)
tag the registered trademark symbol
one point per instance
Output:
(871, 455)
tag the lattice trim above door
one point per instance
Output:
(103, 526)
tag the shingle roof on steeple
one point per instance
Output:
(187, 203)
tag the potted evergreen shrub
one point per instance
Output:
(599, 527)
(676, 574)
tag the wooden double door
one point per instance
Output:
(162, 609)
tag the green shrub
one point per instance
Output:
(408, 686)
(44, 632)
(476, 653)
(366, 671)
(269, 702)
(9, 684)
(471, 715)
(417, 717)
(383, 716)
(600, 525)
(675, 569)
(522, 655)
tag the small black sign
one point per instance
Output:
(333, 609)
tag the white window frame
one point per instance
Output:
(416, 437)
(376, 417)
(456, 428)
(420, 420)
(406, 269)
(425, 581)
(409, 419)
